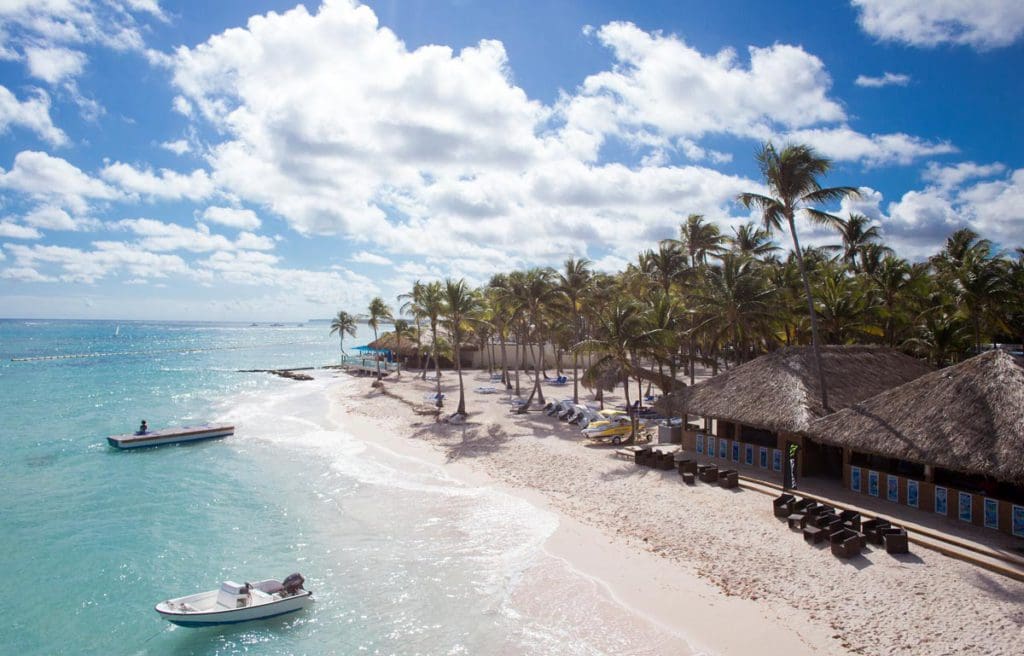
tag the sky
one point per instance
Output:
(258, 160)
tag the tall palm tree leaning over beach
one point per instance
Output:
(792, 179)
(342, 324)
(379, 311)
(461, 305)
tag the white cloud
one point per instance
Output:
(50, 217)
(661, 89)
(232, 217)
(166, 185)
(427, 151)
(50, 178)
(160, 236)
(24, 274)
(844, 143)
(181, 104)
(111, 23)
(178, 147)
(252, 241)
(106, 258)
(54, 64)
(980, 23)
(33, 114)
(917, 224)
(888, 79)
(948, 177)
(13, 230)
(660, 81)
(151, 7)
(996, 208)
(366, 257)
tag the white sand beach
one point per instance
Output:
(707, 564)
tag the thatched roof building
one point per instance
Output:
(967, 418)
(780, 391)
(388, 341)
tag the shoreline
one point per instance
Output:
(641, 582)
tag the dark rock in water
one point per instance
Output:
(293, 374)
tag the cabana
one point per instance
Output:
(767, 403)
(950, 442)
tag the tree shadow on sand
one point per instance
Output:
(477, 441)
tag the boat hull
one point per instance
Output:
(236, 615)
(170, 436)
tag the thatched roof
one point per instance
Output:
(388, 341)
(967, 418)
(779, 391)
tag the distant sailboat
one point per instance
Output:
(117, 331)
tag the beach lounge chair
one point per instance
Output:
(782, 506)
(846, 543)
(486, 390)
(826, 516)
(710, 473)
(872, 530)
(814, 534)
(851, 519)
(433, 397)
(895, 539)
(803, 504)
(686, 466)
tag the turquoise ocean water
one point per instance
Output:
(401, 558)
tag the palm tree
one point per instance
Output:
(666, 265)
(536, 292)
(461, 305)
(620, 333)
(844, 304)
(573, 283)
(403, 330)
(734, 299)
(792, 179)
(411, 306)
(941, 335)
(750, 239)
(432, 305)
(503, 316)
(379, 311)
(700, 239)
(857, 232)
(342, 324)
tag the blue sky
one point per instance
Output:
(266, 160)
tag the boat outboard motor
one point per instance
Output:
(293, 583)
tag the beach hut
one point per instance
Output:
(950, 442)
(762, 406)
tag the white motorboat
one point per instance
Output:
(170, 435)
(234, 603)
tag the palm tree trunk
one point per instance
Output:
(575, 376)
(377, 357)
(518, 391)
(815, 344)
(458, 367)
(504, 366)
(437, 365)
(537, 387)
